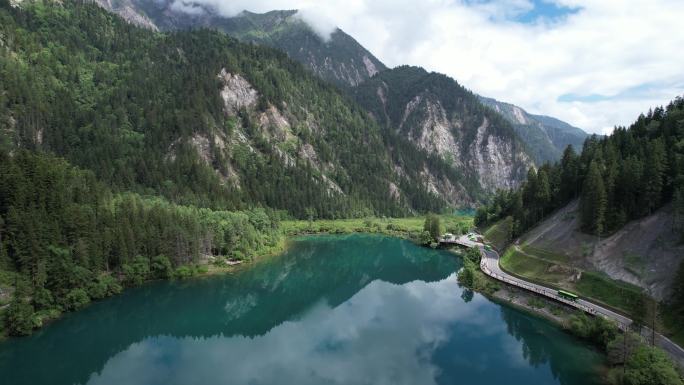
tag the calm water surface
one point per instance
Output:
(331, 310)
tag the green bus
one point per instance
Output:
(568, 295)
(488, 248)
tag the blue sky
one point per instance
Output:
(526, 11)
(545, 10)
(640, 91)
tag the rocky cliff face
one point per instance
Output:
(545, 137)
(128, 10)
(274, 126)
(499, 161)
(413, 171)
(441, 117)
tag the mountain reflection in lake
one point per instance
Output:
(346, 310)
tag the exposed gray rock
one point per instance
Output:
(236, 93)
(496, 161)
(129, 12)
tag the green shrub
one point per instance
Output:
(42, 298)
(103, 286)
(161, 267)
(471, 277)
(650, 366)
(39, 318)
(137, 271)
(466, 276)
(425, 238)
(219, 261)
(237, 255)
(19, 320)
(183, 272)
(392, 227)
(474, 255)
(433, 226)
(598, 330)
(76, 299)
(618, 349)
(556, 310)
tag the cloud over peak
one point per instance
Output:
(583, 61)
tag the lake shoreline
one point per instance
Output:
(557, 313)
(211, 270)
(380, 288)
(507, 295)
(511, 296)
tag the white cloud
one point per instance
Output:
(607, 47)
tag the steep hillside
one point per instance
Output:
(544, 136)
(440, 116)
(344, 62)
(628, 221)
(340, 59)
(643, 252)
(199, 118)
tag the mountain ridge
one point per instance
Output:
(545, 136)
(340, 60)
(294, 36)
(198, 118)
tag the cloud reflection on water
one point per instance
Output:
(385, 334)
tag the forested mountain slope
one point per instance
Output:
(545, 137)
(344, 62)
(629, 221)
(66, 238)
(438, 115)
(200, 118)
(340, 59)
(627, 175)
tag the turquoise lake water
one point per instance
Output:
(355, 309)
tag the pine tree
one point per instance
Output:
(543, 193)
(433, 226)
(569, 169)
(654, 175)
(593, 201)
(678, 217)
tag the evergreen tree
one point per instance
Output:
(543, 193)
(650, 366)
(678, 214)
(593, 201)
(654, 175)
(69, 239)
(569, 177)
(19, 317)
(433, 226)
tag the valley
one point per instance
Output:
(184, 188)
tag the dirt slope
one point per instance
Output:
(644, 252)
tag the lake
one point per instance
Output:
(355, 309)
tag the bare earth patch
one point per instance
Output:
(645, 252)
